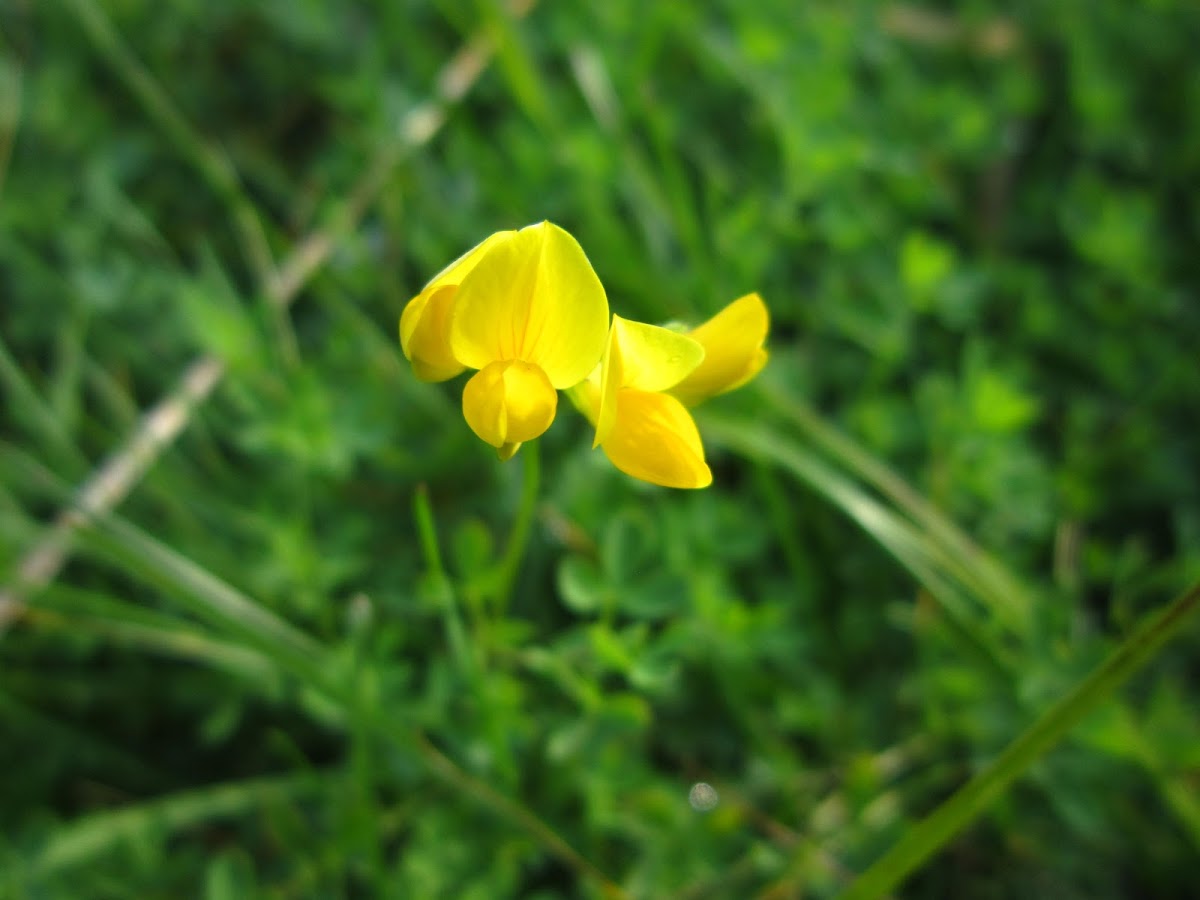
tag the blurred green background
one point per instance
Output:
(309, 648)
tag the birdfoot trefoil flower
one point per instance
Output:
(638, 397)
(526, 309)
(733, 350)
(527, 312)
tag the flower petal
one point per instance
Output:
(655, 439)
(425, 334)
(508, 403)
(533, 297)
(425, 322)
(461, 267)
(643, 357)
(733, 350)
(585, 396)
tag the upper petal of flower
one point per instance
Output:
(532, 297)
(733, 350)
(425, 322)
(643, 357)
(654, 438)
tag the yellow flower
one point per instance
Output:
(645, 432)
(639, 395)
(733, 350)
(526, 309)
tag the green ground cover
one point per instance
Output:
(275, 623)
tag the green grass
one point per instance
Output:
(273, 622)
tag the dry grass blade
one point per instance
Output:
(109, 484)
(115, 478)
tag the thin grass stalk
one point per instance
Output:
(99, 833)
(295, 653)
(933, 832)
(972, 564)
(900, 538)
(109, 484)
(518, 538)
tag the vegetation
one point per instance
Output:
(276, 623)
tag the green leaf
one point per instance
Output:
(582, 587)
(998, 405)
(925, 262)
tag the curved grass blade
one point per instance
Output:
(988, 579)
(99, 833)
(935, 831)
(906, 543)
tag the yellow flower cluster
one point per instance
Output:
(526, 310)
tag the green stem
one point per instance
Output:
(929, 835)
(456, 635)
(363, 766)
(427, 532)
(483, 792)
(518, 539)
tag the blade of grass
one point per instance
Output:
(43, 725)
(216, 600)
(295, 653)
(906, 544)
(509, 809)
(518, 538)
(11, 84)
(207, 595)
(978, 570)
(655, 185)
(116, 477)
(471, 665)
(452, 623)
(100, 833)
(116, 405)
(933, 832)
(175, 640)
(366, 813)
(35, 413)
(515, 61)
(109, 484)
